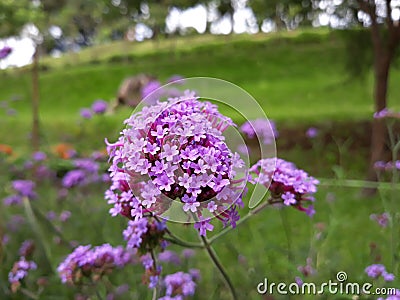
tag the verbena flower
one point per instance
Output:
(150, 87)
(307, 270)
(22, 188)
(5, 51)
(27, 248)
(39, 156)
(377, 270)
(74, 178)
(188, 253)
(86, 172)
(152, 272)
(381, 114)
(168, 256)
(386, 113)
(381, 219)
(144, 233)
(99, 106)
(176, 79)
(179, 284)
(175, 151)
(286, 183)
(65, 215)
(387, 166)
(262, 128)
(312, 132)
(19, 271)
(93, 263)
(86, 113)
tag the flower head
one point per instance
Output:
(378, 270)
(179, 284)
(175, 151)
(19, 272)
(86, 113)
(99, 106)
(39, 156)
(5, 51)
(92, 263)
(286, 183)
(144, 234)
(261, 128)
(150, 87)
(22, 188)
(381, 219)
(312, 132)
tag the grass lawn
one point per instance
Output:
(295, 77)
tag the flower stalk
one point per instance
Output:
(211, 253)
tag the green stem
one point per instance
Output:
(39, 233)
(50, 225)
(29, 294)
(242, 220)
(178, 241)
(228, 229)
(286, 228)
(217, 263)
(153, 256)
(98, 294)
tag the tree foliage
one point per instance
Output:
(14, 14)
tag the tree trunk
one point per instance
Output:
(379, 132)
(35, 101)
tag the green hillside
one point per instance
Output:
(296, 77)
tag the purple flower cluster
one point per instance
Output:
(307, 270)
(169, 257)
(312, 132)
(93, 263)
(19, 271)
(387, 166)
(27, 248)
(39, 156)
(175, 150)
(86, 172)
(154, 90)
(86, 113)
(22, 188)
(179, 285)
(288, 185)
(261, 128)
(5, 51)
(21, 267)
(144, 234)
(381, 219)
(152, 272)
(150, 87)
(98, 107)
(176, 79)
(386, 113)
(378, 270)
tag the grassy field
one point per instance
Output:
(295, 77)
(299, 80)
